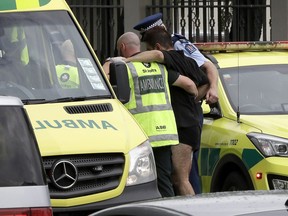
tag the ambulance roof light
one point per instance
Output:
(243, 46)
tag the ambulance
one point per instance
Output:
(94, 153)
(244, 143)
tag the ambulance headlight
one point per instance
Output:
(142, 165)
(269, 145)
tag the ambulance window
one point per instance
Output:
(43, 56)
(252, 88)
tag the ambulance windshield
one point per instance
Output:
(43, 56)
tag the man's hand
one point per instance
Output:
(212, 74)
(212, 96)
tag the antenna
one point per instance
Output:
(238, 115)
(238, 91)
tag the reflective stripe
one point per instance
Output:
(43, 2)
(24, 196)
(27, 4)
(18, 35)
(144, 109)
(139, 105)
(7, 4)
(162, 137)
(21, 4)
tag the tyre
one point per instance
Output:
(235, 182)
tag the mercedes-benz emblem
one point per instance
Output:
(64, 174)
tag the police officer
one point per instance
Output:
(151, 106)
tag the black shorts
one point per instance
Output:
(190, 136)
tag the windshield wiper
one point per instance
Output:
(98, 97)
(32, 101)
(65, 99)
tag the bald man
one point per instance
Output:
(128, 44)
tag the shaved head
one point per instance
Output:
(128, 44)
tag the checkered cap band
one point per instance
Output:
(157, 23)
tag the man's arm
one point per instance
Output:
(106, 68)
(205, 64)
(186, 84)
(148, 56)
(157, 56)
(212, 74)
(106, 65)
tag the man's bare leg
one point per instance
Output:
(182, 162)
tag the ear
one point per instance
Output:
(158, 46)
(119, 47)
(122, 48)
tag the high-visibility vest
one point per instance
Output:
(150, 102)
(18, 36)
(68, 76)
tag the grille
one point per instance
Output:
(96, 173)
(93, 108)
(281, 178)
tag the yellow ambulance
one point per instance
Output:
(244, 143)
(95, 154)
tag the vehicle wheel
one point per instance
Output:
(235, 182)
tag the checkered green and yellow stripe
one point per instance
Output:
(250, 157)
(21, 4)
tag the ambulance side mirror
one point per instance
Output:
(119, 81)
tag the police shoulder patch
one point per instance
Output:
(190, 48)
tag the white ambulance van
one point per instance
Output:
(94, 153)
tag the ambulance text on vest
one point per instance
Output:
(149, 84)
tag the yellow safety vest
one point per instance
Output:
(150, 102)
(68, 76)
(18, 36)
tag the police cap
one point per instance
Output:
(149, 22)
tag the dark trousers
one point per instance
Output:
(163, 160)
(194, 177)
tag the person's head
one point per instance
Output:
(128, 44)
(157, 38)
(149, 22)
